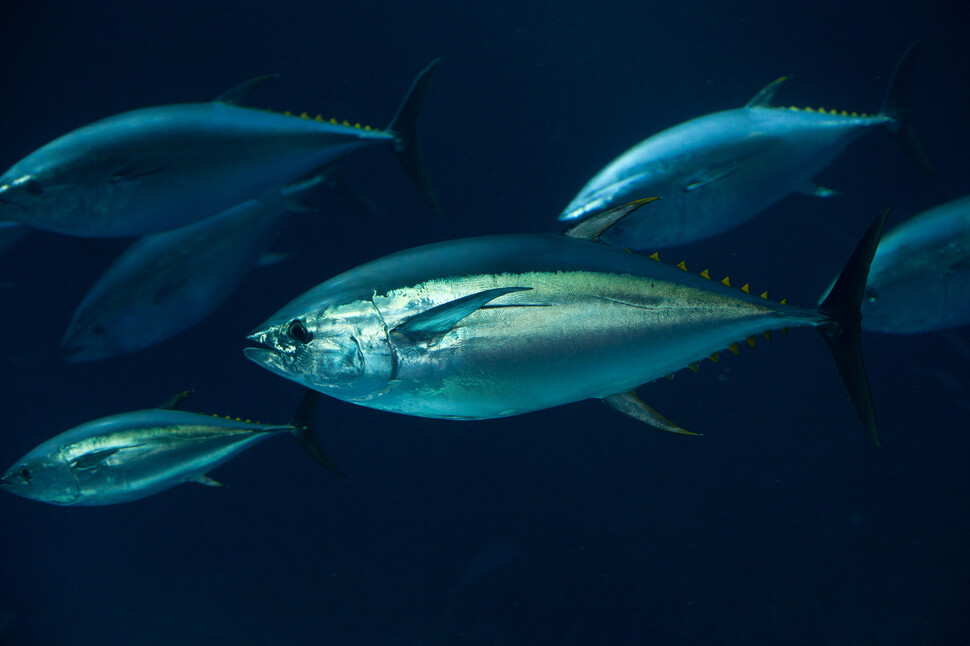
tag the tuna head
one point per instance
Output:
(38, 477)
(342, 351)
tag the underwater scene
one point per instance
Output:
(485, 323)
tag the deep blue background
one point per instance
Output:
(783, 524)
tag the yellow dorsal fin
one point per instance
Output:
(751, 341)
(764, 295)
(682, 265)
(655, 255)
(706, 274)
(746, 288)
(727, 281)
(767, 335)
(734, 348)
(714, 357)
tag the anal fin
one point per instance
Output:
(629, 403)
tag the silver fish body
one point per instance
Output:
(130, 456)
(569, 320)
(721, 169)
(156, 169)
(717, 171)
(133, 455)
(920, 276)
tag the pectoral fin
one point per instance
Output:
(709, 177)
(92, 459)
(439, 320)
(131, 174)
(207, 481)
(591, 227)
(629, 403)
(808, 188)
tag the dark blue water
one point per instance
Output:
(782, 525)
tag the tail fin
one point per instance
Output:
(303, 430)
(896, 105)
(405, 127)
(841, 332)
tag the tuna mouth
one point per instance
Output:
(268, 358)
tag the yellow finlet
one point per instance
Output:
(751, 341)
(767, 335)
(692, 367)
(808, 109)
(727, 281)
(670, 377)
(706, 274)
(655, 255)
(319, 118)
(784, 301)
(734, 348)
(682, 265)
(746, 288)
(764, 295)
(346, 123)
(844, 113)
(287, 114)
(333, 121)
(714, 357)
(784, 331)
(304, 116)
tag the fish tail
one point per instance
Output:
(841, 327)
(404, 126)
(303, 430)
(896, 106)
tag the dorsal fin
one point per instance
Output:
(241, 91)
(173, 402)
(763, 98)
(592, 227)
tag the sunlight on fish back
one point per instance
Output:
(497, 326)
(720, 170)
(126, 457)
(155, 169)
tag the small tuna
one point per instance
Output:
(167, 282)
(495, 326)
(719, 170)
(134, 455)
(156, 169)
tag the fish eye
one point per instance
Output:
(24, 473)
(297, 331)
(872, 295)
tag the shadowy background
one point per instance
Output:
(783, 524)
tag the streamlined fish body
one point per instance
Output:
(126, 457)
(720, 170)
(496, 326)
(161, 168)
